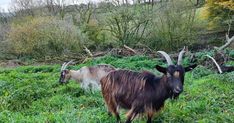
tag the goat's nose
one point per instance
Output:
(178, 90)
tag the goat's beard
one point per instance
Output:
(174, 95)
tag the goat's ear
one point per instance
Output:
(189, 68)
(161, 69)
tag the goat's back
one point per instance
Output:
(92, 75)
(127, 87)
(96, 72)
(100, 71)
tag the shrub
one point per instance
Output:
(201, 71)
(173, 27)
(226, 77)
(217, 12)
(127, 25)
(94, 37)
(43, 36)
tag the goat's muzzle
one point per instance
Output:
(61, 81)
(176, 92)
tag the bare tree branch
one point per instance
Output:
(229, 41)
(88, 51)
(130, 49)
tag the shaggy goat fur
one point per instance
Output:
(89, 77)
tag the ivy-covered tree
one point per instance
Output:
(217, 11)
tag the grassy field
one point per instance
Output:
(33, 94)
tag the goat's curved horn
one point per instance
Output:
(179, 62)
(217, 65)
(66, 64)
(167, 57)
(62, 68)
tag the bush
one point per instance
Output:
(94, 37)
(127, 25)
(43, 36)
(201, 71)
(226, 77)
(173, 27)
(218, 13)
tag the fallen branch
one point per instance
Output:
(85, 60)
(228, 42)
(88, 51)
(130, 49)
(99, 54)
(144, 46)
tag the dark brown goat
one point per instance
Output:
(143, 92)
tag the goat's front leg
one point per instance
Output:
(130, 116)
(95, 85)
(85, 85)
(150, 115)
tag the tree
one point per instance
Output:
(23, 7)
(3, 16)
(173, 25)
(217, 11)
(127, 25)
(56, 6)
(227, 4)
(84, 11)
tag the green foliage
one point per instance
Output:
(43, 36)
(217, 12)
(226, 77)
(94, 37)
(201, 71)
(174, 26)
(33, 94)
(134, 62)
(127, 24)
(231, 54)
(165, 25)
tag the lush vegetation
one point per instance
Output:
(33, 94)
(38, 30)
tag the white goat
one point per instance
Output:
(89, 77)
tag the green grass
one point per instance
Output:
(33, 94)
